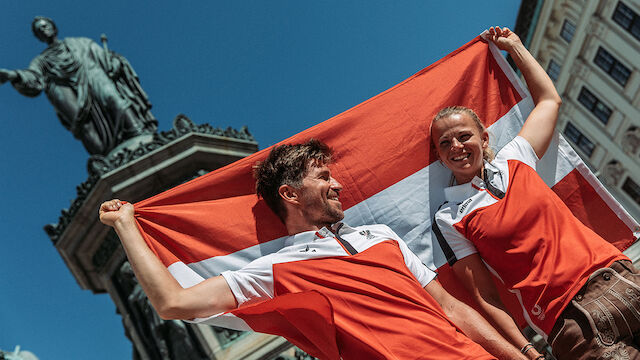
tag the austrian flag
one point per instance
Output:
(390, 176)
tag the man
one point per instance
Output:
(374, 284)
(95, 92)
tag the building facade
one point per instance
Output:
(591, 50)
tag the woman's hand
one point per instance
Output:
(504, 38)
(114, 211)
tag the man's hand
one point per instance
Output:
(170, 300)
(113, 211)
(504, 38)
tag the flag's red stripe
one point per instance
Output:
(305, 319)
(192, 232)
(377, 143)
(582, 199)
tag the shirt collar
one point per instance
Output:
(313, 235)
(458, 193)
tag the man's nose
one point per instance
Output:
(335, 185)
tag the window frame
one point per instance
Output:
(595, 106)
(568, 29)
(553, 69)
(631, 189)
(581, 141)
(612, 66)
(627, 18)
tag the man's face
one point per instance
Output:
(319, 196)
(44, 30)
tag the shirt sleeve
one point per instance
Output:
(460, 245)
(423, 274)
(519, 149)
(252, 283)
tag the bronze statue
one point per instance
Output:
(95, 92)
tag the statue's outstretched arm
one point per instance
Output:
(7, 75)
(28, 82)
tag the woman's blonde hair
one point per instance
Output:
(487, 153)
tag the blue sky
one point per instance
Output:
(278, 67)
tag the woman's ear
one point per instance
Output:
(485, 139)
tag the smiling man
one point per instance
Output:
(385, 302)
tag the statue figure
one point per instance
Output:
(95, 92)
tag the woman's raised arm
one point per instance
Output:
(539, 126)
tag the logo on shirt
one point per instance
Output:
(307, 249)
(367, 234)
(464, 205)
(537, 312)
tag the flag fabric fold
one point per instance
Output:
(390, 175)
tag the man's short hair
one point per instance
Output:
(287, 165)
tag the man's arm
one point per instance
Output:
(472, 324)
(170, 300)
(476, 278)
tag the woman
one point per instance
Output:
(500, 217)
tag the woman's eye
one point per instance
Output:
(444, 143)
(465, 137)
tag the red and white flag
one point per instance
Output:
(390, 176)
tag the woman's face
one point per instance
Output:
(460, 145)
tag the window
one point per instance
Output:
(593, 104)
(628, 19)
(632, 189)
(581, 141)
(612, 66)
(553, 70)
(568, 29)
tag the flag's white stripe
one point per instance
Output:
(227, 320)
(187, 277)
(234, 261)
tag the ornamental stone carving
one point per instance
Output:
(612, 173)
(631, 141)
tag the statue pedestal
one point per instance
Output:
(132, 144)
(95, 257)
